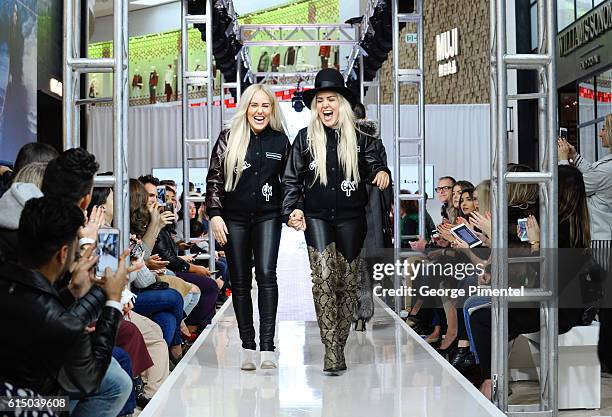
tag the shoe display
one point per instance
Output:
(247, 359)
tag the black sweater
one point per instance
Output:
(340, 198)
(257, 196)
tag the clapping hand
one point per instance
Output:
(92, 224)
(481, 222)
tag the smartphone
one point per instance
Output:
(107, 250)
(467, 235)
(169, 207)
(522, 232)
(161, 195)
(563, 133)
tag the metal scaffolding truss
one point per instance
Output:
(285, 35)
(403, 76)
(544, 63)
(74, 67)
(196, 78)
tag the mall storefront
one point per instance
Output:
(584, 77)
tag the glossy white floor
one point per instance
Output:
(391, 371)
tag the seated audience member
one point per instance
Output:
(29, 153)
(147, 223)
(60, 356)
(573, 234)
(70, 177)
(11, 205)
(185, 268)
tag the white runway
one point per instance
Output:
(391, 371)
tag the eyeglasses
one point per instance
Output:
(444, 188)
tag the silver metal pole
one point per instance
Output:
(209, 109)
(552, 204)
(120, 121)
(68, 93)
(421, 145)
(499, 281)
(361, 87)
(396, 148)
(185, 114)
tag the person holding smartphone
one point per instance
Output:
(325, 196)
(243, 202)
(598, 182)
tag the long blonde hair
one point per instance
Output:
(240, 133)
(347, 144)
(608, 129)
(484, 196)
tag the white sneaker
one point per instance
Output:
(248, 359)
(268, 360)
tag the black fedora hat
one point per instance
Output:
(329, 79)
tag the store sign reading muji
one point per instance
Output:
(447, 49)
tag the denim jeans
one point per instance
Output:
(472, 302)
(110, 397)
(190, 301)
(126, 364)
(164, 307)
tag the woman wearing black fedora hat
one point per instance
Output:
(324, 195)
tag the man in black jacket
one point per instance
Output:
(47, 348)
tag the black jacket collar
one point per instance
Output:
(32, 279)
(263, 134)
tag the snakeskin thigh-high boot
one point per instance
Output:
(346, 298)
(323, 268)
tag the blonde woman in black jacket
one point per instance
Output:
(324, 195)
(243, 202)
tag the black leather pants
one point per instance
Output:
(249, 242)
(334, 249)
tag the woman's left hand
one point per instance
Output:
(92, 224)
(381, 180)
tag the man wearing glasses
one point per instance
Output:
(444, 194)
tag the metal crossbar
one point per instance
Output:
(546, 178)
(74, 67)
(407, 76)
(189, 78)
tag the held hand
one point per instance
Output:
(381, 180)
(167, 217)
(460, 243)
(202, 270)
(219, 230)
(156, 263)
(563, 149)
(419, 245)
(533, 229)
(187, 258)
(297, 220)
(92, 224)
(83, 275)
(114, 283)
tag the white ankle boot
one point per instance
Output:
(268, 360)
(247, 359)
